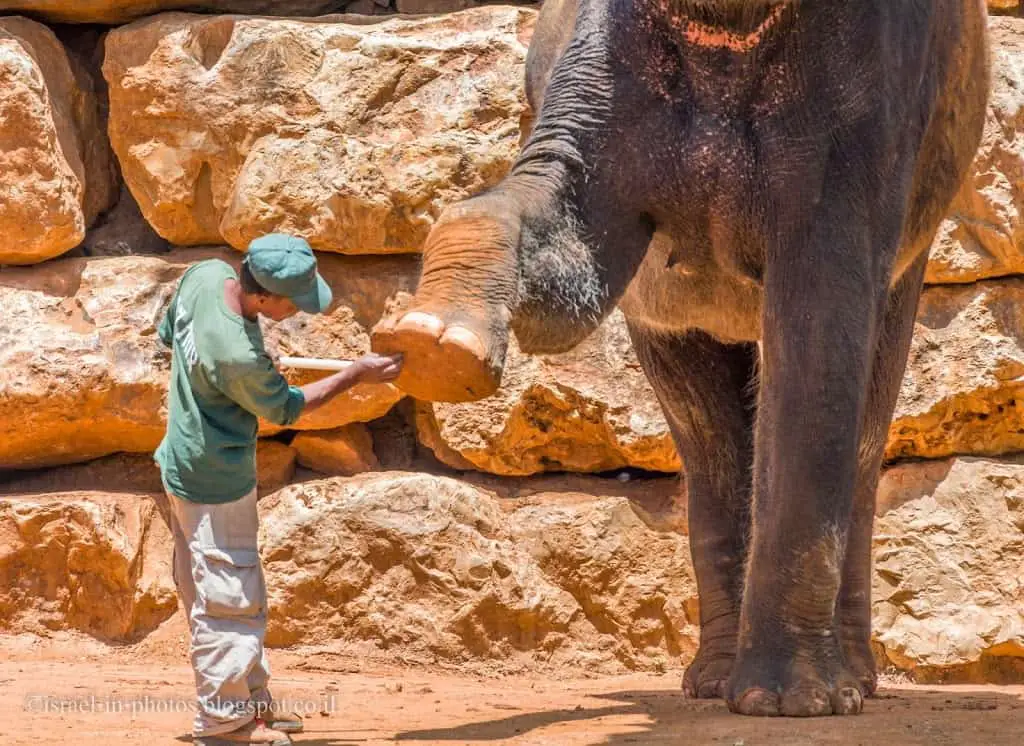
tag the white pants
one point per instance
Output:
(220, 581)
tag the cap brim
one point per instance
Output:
(315, 301)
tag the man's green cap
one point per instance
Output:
(286, 265)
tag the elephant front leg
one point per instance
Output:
(455, 334)
(546, 253)
(825, 288)
(533, 256)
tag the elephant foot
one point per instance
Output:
(794, 680)
(443, 360)
(708, 675)
(454, 334)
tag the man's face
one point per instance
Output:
(276, 307)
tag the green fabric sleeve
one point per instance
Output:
(165, 329)
(259, 388)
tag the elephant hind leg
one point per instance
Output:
(705, 389)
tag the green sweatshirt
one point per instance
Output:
(221, 380)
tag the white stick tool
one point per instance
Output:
(314, 363)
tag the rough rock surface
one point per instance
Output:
(549, 571)
(352, 134)
(344, 451)
(1005, 6)
(83, 373)
(437, 570)
(93, 562)
(122, 11)
(275, 465)
(949, 569)
(588, 410)
(984, 235)
(54, 157)
(963, 390)
(625, 576)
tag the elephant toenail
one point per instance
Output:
(758, 702)
(849, 701)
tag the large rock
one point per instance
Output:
(55, 161)
(624, 575)
(963, 390)
(588, 410)
(352, 134)
(275, 465)
(93, 562)
(83, 373)
(984, 235)
(1005, 6)
(122, 11)
(430, 569)
(949, 570)
(343, 452)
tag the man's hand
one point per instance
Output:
(370, 368)
(375, 368)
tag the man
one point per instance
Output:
(222, 380)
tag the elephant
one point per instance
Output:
(756, 184)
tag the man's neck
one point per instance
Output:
(236, 299)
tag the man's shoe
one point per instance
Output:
(256, 733)
(286, 722)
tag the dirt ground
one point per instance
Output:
(73, 690)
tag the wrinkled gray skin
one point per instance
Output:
(785, 193)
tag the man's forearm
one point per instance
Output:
(320, 392)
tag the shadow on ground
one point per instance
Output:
(936, 717)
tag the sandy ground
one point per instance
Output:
(68, 690)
